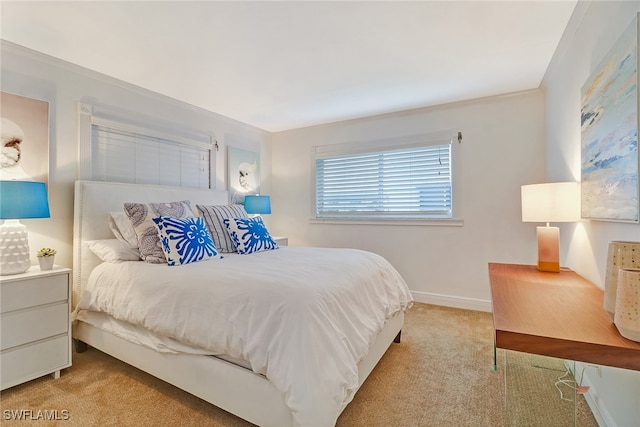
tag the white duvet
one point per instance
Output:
(304, 317)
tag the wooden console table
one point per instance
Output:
(556, 314)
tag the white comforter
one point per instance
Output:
(304, 317)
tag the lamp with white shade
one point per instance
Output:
(551, 202)
(19, 200)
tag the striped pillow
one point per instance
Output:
(214, 216)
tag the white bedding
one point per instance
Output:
(136, 334)
(304, 317)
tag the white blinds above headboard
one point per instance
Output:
(123, 156)
(114, 150)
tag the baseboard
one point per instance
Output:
(596, 404)
(452, 301)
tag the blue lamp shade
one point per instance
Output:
(257, 204)
(23, 200)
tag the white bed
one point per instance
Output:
(227, 385)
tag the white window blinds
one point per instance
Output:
(410, 182)
(126, 155)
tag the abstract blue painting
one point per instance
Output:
(609, 122)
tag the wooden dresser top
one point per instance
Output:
(556, 314)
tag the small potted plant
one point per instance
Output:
(45, 258)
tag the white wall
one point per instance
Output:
(502, 149)
(592, 30)
(63, 85)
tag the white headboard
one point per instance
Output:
(95, 199)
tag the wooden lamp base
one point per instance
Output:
(548, 249)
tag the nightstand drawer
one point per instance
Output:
(26, 363)
(24, 326)
(33, 291)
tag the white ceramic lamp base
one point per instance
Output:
(14, 248)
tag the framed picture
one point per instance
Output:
(609, 134)
(25, 138)
(244, 174)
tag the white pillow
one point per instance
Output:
(113, 250)
(121, 227)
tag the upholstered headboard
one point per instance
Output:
(93, 202)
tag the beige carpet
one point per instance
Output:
(439, 375)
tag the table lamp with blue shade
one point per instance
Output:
(259, 205)
(19, 200)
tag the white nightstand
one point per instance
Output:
(35, 325)
(281, 241)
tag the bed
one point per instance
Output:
(286, 381)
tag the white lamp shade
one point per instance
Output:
(552, 202)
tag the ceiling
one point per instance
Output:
(285, 65)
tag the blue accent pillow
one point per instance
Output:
(249, 235)
(185, 240)
(141, 217)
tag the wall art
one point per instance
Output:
(609, 128)
(244, 174)
(24, 126)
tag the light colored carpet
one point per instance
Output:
(439, 375)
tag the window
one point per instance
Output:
(123, 156)
(408, 182)
(119, 146)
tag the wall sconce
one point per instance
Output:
(19, 200)
(553, 202)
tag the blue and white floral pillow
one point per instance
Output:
(141, 217)
(185, 240)
(249, 235)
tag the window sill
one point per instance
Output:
(437, 222)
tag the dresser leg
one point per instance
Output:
(56, 374)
